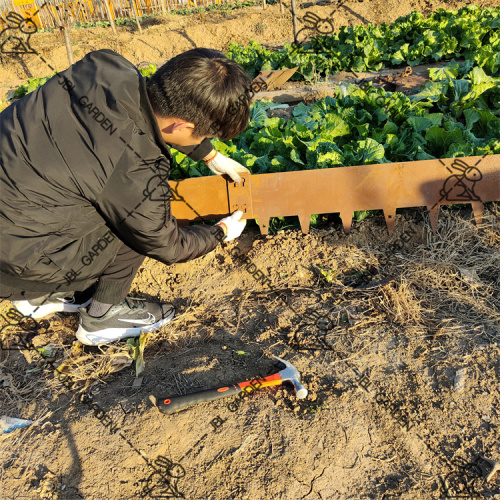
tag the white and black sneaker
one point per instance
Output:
(67, 302)
(123, 320)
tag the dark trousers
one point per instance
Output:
(112, 286)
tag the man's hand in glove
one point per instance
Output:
(232, 225)
(220, 164)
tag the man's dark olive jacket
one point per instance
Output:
(83, 169)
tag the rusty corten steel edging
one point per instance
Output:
(199, 198)
(344, 190)
(275, 78)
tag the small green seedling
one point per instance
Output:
(327, 274)
(136, 347)
(315, 407)
(47, 351)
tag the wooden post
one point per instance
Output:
(136, 16)
(67, 42)
(37, 14)
(294, 19)
(110, 16)
(64, 26)
(281, 6)
(264, 4)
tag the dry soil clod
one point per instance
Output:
(459, 379)
(495, 467)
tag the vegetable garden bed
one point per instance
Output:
(452, 116)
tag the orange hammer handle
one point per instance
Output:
(265, 382)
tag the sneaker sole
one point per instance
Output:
(108, 335)
(35, 312)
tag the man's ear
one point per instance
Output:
(181, 125)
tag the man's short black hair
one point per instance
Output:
(204, 87)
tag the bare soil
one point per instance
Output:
(387, 415)
(166, 36)
(432, 310)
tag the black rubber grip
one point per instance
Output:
(176, 403)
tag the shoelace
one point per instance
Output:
(134, 303)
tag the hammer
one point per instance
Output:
(288, 374)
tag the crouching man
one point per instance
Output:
(84, 193)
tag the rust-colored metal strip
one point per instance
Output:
(344, 190)
(275, 78)
(200, 198)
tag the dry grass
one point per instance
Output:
(20, 384)
(87, 370)
(16, 392)
(456, 274)
(401, 305)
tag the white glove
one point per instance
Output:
(223, 165)
(234, 225)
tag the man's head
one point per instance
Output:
(198, 92)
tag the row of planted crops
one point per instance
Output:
(456, 113)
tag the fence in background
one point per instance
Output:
(93, 10)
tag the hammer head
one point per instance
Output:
(291, 374)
